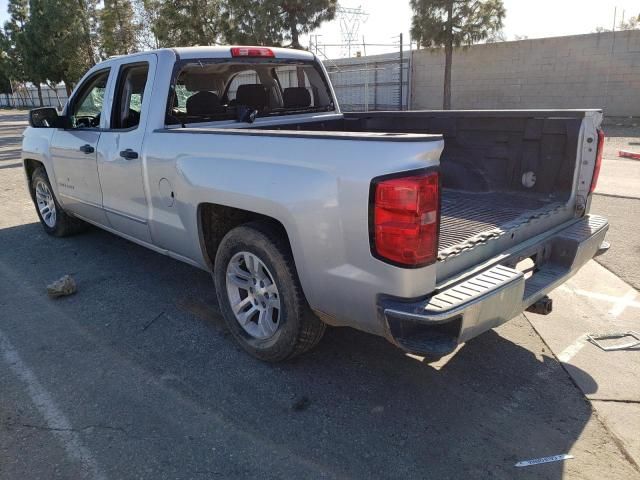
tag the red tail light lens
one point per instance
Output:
(252, 52)
(406, 219)
(599, 153)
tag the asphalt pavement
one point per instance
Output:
(136, 376)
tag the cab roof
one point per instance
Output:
(225, 52)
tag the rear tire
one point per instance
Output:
(53, 218)
(260, 295)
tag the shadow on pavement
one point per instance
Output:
(355, 406)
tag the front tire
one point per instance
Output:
(260, 295)
(53, 218)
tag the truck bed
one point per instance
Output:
(486, 156)
(470, 218)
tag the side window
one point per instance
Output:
(87, 106)
(129, 95)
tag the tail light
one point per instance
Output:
(252, 52)
(596, 169)
(405, 219)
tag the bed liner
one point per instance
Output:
(471, 218)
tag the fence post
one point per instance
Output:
(375, 85)
(401, 72)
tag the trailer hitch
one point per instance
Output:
(544, 306)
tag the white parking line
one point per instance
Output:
(620, 304)
(626, 301)
(571, 351)
(56, 421)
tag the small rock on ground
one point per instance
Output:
(62, 287)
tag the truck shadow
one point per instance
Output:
(356, 406)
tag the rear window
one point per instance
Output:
(212, 90)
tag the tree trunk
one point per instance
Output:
(87, 33)
(293, 26)
(68, 88)
(40, 94)
(448, 61)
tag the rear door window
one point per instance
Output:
(127, 106)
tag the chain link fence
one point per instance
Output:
(377, 82)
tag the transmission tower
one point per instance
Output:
(350, 20)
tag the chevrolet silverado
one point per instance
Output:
(424, 227)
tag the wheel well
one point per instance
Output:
(30, 166)
(215, 221)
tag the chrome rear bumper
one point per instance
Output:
(482, 300)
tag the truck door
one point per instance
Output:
(74, 150)
(120, 162)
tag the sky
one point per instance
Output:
(530, 18)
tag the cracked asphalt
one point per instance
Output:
(135, 376)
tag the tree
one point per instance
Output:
(452, 23)
(117, 28)
(632, 24)
(5, 66)
(145, 18)
(179, 23)
(272, 22)
(248, 22)
(63, 31)
(13, 32)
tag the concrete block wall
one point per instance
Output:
(599, 70)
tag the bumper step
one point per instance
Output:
(437, 324)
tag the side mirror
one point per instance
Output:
(46, 117)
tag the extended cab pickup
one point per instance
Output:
(425, 227)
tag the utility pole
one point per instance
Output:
(350, 20)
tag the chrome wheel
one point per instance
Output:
(46, 204)
(253, 295)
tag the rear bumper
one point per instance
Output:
(482, 300)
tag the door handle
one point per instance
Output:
(87, 149)
(129, 154)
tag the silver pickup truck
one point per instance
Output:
(424, 227)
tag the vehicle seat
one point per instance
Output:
(203, 103)
(132, 119)
(296, 97)
(252, 95)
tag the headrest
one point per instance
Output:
(252, 95)
(199, 82)
(296, 97)
(203, 103)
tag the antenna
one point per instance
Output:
(350, 20)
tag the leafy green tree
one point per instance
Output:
(452, 23)
(178, 23)
(5, 65)
(118, 29)
(16, 61)
(632, 23)
(145, 14)
(248, 22)
(12, 40)
(63, 31)
(305, 16)
(272, 22)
